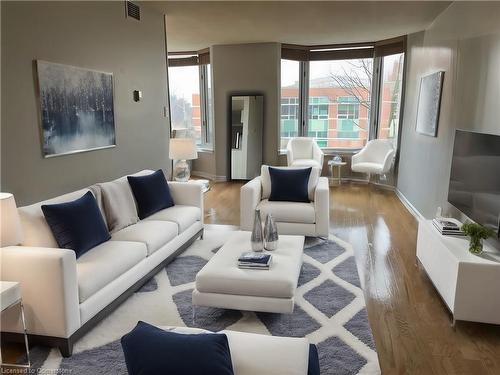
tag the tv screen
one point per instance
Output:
(475, 177)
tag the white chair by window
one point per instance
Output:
(375, 158)
(304, 152)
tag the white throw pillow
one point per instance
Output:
(266, 180)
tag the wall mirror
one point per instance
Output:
(246, 123)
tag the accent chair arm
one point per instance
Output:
(49, 290)
(250, 197)
(188, 194)
(322, 207)
(318, 154)
(289, 153)
(388, 161)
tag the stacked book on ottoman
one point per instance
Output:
(254, 260)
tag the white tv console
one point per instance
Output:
(469, 284)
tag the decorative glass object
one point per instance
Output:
(270, 234)
(337, 159)
(257, 238)
(477, 234)
(181, 171)
(476, 245)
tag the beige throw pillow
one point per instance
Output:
(119, 204)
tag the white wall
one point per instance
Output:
(464, 41)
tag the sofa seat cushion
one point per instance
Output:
(305, 163)
(154, 234)
(104, 263)
(288, 212)
(184, 216)
(366, 167)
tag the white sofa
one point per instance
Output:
(304, 152)
(276, 355)
(63, 296)
(307, 219)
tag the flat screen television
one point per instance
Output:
(475, 177)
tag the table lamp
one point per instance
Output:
(182, 149)
(10, 224)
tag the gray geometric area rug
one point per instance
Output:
(329, 310)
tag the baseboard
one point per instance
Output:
(209, 176)
(410, 207)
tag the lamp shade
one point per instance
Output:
(10, 224)
(182, 149)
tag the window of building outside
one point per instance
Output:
(191, 102)
(338, 98)
(289, 124)
(390, 105)
(339, 102)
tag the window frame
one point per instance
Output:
(202, 61)
(380, 50)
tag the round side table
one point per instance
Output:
(332, 164)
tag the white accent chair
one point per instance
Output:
(375, 158)
(304, 152)
(307, 219)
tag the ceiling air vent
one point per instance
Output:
(133, 10)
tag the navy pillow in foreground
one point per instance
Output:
(151, 192)
(150, 350)
(289, 185)
(313, 367)
(77, 225)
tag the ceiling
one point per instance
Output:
(195, 25)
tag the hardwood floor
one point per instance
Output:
(410, 323)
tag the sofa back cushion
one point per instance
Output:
(266, 180)
(36, 231)
(151, 193)
(77, 225)
(289, 185)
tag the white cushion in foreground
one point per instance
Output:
(252, 353)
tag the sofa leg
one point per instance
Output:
(202, 233)
(66, 348)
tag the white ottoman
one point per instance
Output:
(222, 284)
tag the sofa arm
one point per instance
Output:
(250, 197)
(322, 207)
(49, 290)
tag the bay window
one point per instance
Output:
(342, 96)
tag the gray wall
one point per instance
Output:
(241, 69)
(94, 35)
(464, 41)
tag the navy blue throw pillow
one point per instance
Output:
(313, 367)
(150, 350)
(77, 225)
(289, 185)
(151, 193)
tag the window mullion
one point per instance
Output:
(304, 97)
(203, 100)
(376, 100)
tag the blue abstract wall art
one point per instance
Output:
(76, 109)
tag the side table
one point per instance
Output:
(10, 296)
(332, 164)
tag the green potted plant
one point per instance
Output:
(477, 234)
